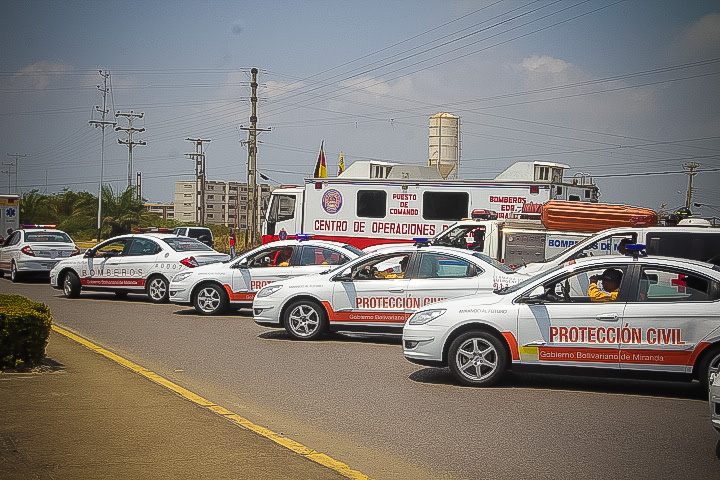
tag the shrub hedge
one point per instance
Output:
(24, 331)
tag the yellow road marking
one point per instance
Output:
(288, 443)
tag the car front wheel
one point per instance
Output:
(71, 285)
(210, 300)
(710, 365)
(477, 358)
(305, 320)
(157, 289)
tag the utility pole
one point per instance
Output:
(17, 157)
(8, 174)
(102, 124)
(690, 174)
(130, 130)
(252, 159)
(199, 158)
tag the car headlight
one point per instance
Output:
(181, 276)
(421, 318)
(269, 290)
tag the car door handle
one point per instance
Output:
(396, 291)
(283, 275)
(607, 317)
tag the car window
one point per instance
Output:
(584, 286)
(312, 255)
(436, 265)
(50, 237)
(185, 244)
(143, 246)
(354, 250)
(14, 239)
(674, 285)
(382, 267)
(112, 248)
(199, 232)
(271, 257)
(500, 266)
(696, 246)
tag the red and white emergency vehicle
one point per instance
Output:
(379, 202)
(9, 214)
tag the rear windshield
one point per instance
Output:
(198, 232)
(49, 237)
(185, 244)
(500, 266)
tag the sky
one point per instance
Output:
(625, 91)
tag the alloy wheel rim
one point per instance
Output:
(304, 320)
(208, 299)
(476, 359)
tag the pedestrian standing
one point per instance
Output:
(232, 245)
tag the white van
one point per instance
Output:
(696, 243)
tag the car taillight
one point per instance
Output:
(76, 251)
(28, 251)
(190, 262)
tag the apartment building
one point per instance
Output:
(226, 203)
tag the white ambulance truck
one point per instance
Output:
(9, 214)
(373, 203)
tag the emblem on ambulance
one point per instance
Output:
(332, 201)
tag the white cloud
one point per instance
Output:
(545, 64)
(702, 38)
(38, 76)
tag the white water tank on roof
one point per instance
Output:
(444, 144)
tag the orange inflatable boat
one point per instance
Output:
(593, 217)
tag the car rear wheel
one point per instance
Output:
(157, 289)
(477, 358)
(305, 320)
(709, 365)
(14, 274)
(210, 299)
(71, 285)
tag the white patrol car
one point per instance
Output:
(137, 263)
(665, 318)
(378, 291)
(34, 249)
(211, 289)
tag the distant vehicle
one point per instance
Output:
(140, 263)
(377, 291)
(695, 243)
(664, 319)
(34, 249)
(203, 234)
(212, 289)
(9, 214)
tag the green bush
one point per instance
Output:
(24, 331)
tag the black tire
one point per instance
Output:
(71, 285)
(210, 299)
(14, 274)
(305, 320)
(157, 289)
(2, 273)
(710, 364)
(477, 358)
(121, 294)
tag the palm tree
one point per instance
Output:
(122, 211)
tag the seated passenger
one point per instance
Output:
(610, 286)
(282, 258)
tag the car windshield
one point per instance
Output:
(500, 266)
(48, 237)
(186, 244)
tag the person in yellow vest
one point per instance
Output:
(611, 279)
(391, 274)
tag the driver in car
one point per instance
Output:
(610, 286)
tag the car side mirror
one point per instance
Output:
(242, 263)
(345, 276)
(89, 253)
(534, 297)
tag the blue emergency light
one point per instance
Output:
(421, 241)
(635, 249)
(303, 236)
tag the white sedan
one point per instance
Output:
(663, 317)
(377, 291)
(138, 263)
(213, 288)
(34, 249)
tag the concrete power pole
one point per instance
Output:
(17, 157)
(199, 158)
(102, 124)
(252, 163)
(130, 130)
(690, 174)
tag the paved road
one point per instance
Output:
(358, 400)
